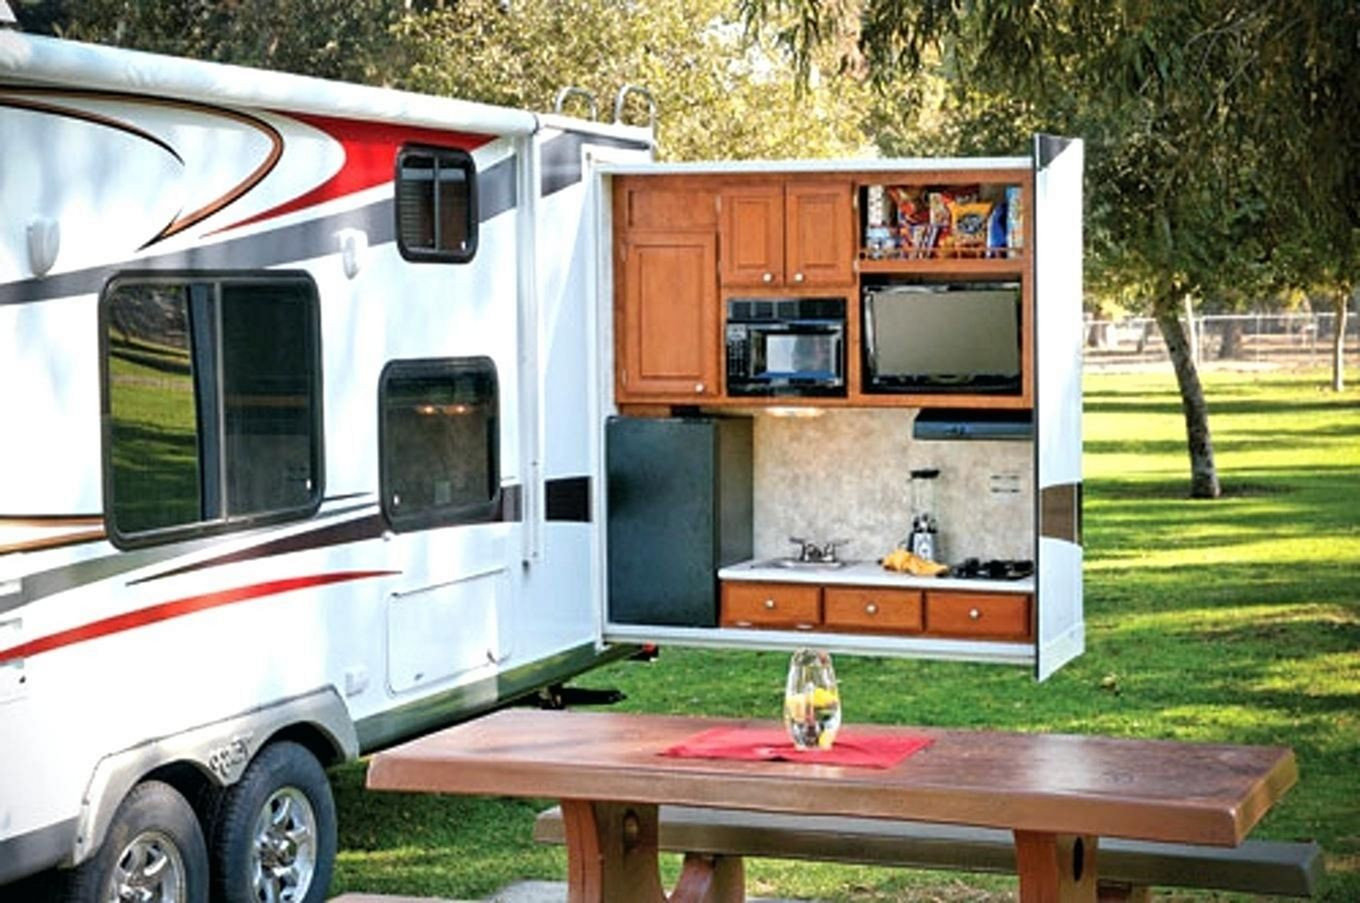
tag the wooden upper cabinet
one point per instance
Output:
(787, 235)
(819, 236)
(669, 316)
(753, 235)
(664, 205)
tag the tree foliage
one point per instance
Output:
(718, 95)
(327, 38)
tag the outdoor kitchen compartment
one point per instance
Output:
(680, 502)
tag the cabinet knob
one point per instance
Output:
(871, 608)
(797, 277)
(974, 614)
(769, 605)
(767, 277)
(698, 388)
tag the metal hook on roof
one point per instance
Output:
(622, 96)
(572, 91)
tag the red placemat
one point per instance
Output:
(861, 748)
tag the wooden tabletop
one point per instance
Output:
(1053, 783)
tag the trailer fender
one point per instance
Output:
(220, 750)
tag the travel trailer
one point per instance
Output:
(337, 414)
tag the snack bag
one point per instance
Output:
(969, 226)
(996, 230)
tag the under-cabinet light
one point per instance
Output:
(790, 411)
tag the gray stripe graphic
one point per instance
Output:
(301, 241)
(561, 157)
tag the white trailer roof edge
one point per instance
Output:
(828, 165)
(38, 59)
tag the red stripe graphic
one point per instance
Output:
(178, 608)
(370, 157)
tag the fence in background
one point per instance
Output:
(1282, 340)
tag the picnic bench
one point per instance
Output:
(1128, 868)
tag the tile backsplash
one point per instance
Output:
(846, 475)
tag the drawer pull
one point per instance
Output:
(805, 626)
(767, 277)
(871, 608)
(698, 388)
(974, 614)
(769, 605)
(797, 277)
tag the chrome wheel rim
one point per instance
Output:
(283, 854)
(150, 869)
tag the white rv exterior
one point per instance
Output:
(305, 392)
(146, 205)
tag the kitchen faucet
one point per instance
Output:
(812, 553)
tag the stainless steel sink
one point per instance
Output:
(795, 564)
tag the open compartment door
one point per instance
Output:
(1057, 259)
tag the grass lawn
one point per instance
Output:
(1236, 620)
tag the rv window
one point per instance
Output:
(212, 403)
(439, 442)
(436, 205)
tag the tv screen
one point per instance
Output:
(950, 337)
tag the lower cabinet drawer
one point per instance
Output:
(871, 609)
(982, 615)
(796, 605)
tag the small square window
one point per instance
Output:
(436, 201)
(439, 441)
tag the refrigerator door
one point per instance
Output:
(679, 493)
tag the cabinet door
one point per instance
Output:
(753, 236)
(819, 236)
(1058, 337)
(669, 333)
(796, 605)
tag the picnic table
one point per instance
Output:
(1057, 793)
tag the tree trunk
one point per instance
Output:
(1231, 346)
(1203, 475)
(1343, 295)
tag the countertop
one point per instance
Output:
(865, 573)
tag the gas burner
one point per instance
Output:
(992, 569)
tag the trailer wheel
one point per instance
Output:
(273, 840)
(153, 852)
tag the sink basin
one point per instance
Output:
(795, 564)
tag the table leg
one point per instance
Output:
(612, 858)
(1055, 867)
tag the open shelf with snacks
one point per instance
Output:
(912, 224)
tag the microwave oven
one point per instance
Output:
(943, 337)
(785, 346)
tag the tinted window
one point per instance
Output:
(213, 402)
(153, 416)
(436, 205)
(439, 442)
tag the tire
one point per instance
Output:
(273, 836)
(154, 851)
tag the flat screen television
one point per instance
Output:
(955, 337)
